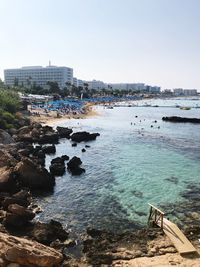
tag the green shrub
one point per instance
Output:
(9, 101)
(8, 117)
(2, 124)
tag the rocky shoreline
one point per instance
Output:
(28, 242)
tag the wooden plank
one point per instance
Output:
(180, 241)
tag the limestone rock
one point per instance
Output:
(25, 252)
(7, 182)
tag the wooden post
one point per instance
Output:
(155, 217)
(150, 212)
(161, 221)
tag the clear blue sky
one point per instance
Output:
(151, 41)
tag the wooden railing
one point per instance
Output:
(155, 216)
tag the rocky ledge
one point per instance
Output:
(181, 119)
(24, 252)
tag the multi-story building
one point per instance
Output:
(128, 86)
(80, 83)
(185, 92)
(190, 92)
(97, 85)
(178, 91)
(153, 89)
(38, 75)
(75, 81)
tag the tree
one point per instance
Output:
(53, 87)
(16, 81)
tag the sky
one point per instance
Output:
(152, 41)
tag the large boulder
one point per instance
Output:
(74, 166)
(57, 169)
(5, 138)
(18, 216)
(46, 233)
(83, 136)
(25, 138)
(48, 138)
(64, 132)
(37, 133)
(58, 160)
(7, 181)
(49, 149)
(6, 159)
(22, 198)
(24, 213)
(27, 253)
(24, 130)
(33, 176)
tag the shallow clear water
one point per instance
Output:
(129, 165)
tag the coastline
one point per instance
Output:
(146, 249)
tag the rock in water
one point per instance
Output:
(181, 119)
(64, 132)
(49, 149)
(83, 136)
(74, 166)
(27, 253)
(57, 169)
(48, 138)
(33, 176)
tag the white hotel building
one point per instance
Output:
(38, 75)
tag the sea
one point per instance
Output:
(136, 160)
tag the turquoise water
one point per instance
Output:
(129, 165)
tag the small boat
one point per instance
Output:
(185, 108)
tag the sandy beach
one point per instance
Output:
(51, 117)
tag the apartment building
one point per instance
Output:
(97, 85)
(38, 75)
(185, 92)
